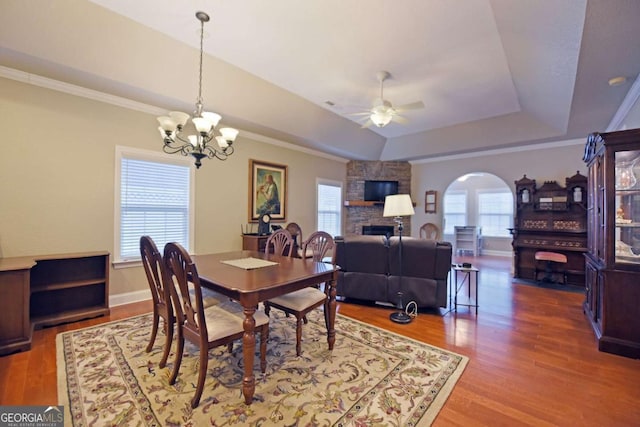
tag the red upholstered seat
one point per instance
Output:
(551, 256)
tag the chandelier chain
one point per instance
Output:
(205, 143)
(199, 103)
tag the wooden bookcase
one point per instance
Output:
(50, 289)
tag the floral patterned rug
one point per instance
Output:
(372, 377)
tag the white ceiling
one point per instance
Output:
(491, 73)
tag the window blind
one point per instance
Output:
(154, 201)
(329, 208)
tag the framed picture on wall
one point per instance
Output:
(267, 190)
(430, 201)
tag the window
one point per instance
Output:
(455, 210)
(154, 197)
(495, 212)
(329, 206)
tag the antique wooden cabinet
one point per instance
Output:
(551, 218)
(612, 301)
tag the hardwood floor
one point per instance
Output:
(533, 358)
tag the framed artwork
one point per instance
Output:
(267, 191)
(430, 201)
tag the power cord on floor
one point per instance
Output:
(411, 309)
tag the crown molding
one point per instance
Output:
(47, 83)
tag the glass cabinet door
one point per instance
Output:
(627, 207)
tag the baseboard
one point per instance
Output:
(496, 253)
(129, 297)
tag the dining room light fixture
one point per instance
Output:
(201, 144)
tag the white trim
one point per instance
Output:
(83, 92)
(530, 147)
(287, 145)
(148, 155)
(627, 104)
(496, 253)
(333, 183)
(129, 297)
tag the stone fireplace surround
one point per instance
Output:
(357, 172)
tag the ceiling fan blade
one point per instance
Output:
(366, 124)
(363, 113)
(413, 106)
(399, 119)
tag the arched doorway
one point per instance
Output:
(483, 200)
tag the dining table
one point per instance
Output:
(251, 277)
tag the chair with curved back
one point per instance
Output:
(161, 295)
(154, 268)
(209, 327)
(301, 302)
(296, 233)
(429, 231)
(281, 241)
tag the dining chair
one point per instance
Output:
(281, 241)
(162, 307)
(210, 327)
(154, 267)
(301, 302)
(296, 233)
(429, 231)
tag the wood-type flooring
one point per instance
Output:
(533, 357)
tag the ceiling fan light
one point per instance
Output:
(380, 118)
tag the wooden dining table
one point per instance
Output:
(251, 286)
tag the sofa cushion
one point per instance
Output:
(420, 258)
(364, 286)
(364, 254)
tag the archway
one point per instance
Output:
(483, 200)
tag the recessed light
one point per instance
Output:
(617, 81)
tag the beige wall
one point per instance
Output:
(57, 178)
(549, 163)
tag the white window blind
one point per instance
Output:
(329, 207)
(495, 213)
(455, 210)
(154, 201)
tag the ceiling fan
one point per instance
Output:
(382, 112)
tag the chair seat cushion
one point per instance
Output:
(226, 318)
(301, 299)
(550, 256)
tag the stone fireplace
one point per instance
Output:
(362, 214)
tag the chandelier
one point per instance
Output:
(201, 144)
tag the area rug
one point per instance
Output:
(372, 377)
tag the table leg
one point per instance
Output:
(330, 311)
(455, 296)
(248, 353)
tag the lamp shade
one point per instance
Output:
(398, 205)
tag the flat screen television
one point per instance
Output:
(376, 191)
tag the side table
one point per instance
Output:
(468, 275)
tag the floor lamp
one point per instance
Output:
(397, 206)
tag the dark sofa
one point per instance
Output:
(370, 269)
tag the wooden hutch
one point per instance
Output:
(613, 258)
(551, 218)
